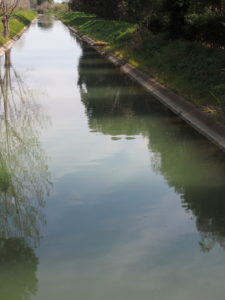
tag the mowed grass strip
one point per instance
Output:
(18, 21)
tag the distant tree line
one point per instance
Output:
(41, 5)
(202, 20)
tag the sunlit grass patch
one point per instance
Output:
(19, 20)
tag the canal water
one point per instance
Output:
(104, 193)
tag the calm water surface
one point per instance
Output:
(104, 193)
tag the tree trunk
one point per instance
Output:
(5, 22)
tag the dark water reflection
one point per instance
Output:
(190, 164)
(45, 22)
(18, 267)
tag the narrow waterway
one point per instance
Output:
(104, 193)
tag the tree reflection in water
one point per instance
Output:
(24, 184)
(45, 22)
(190, 164)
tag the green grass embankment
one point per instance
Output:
(193, 70)
(18, 21)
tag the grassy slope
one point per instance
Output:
(194, 71)
(19, 20)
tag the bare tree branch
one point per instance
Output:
(8, 6)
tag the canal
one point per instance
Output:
(105, 194)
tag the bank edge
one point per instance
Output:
(8, 45)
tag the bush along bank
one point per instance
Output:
(18, 21)
(191, 69)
